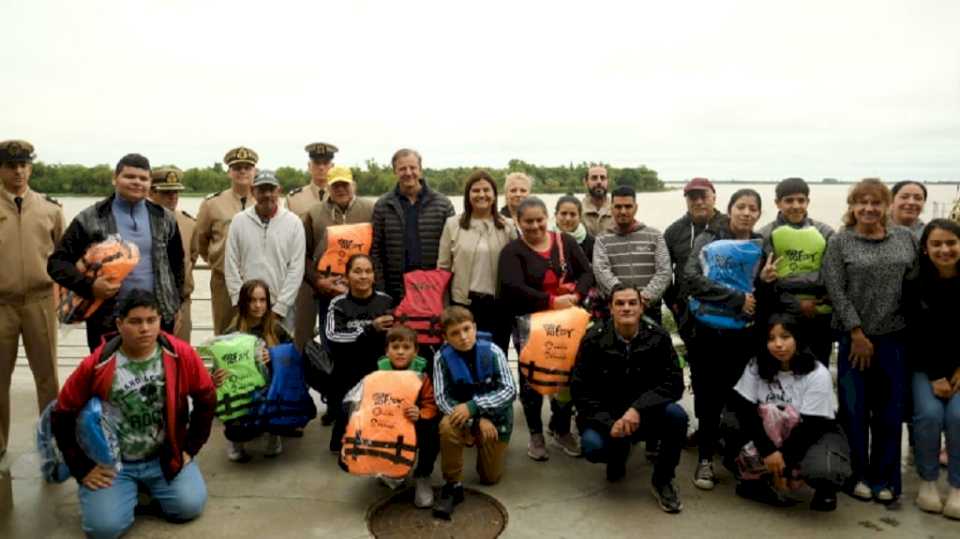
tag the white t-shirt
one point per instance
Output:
(809, 394)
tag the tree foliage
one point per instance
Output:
(371, 179)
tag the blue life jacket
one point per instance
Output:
(733, 264)
(97, 432)
(52, 466)
(463, 386)
(288, 404)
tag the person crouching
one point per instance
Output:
(475, 391)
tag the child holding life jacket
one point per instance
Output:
(475, 392)
(401, 355)
(255, 316)
(782, 430)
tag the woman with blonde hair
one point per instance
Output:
(865, 267)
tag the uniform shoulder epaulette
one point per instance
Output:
(211, 195)
(295, 191)
(52, 200)
(188, 215)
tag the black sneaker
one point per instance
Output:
(824, 501)
(616, 471)
(761, 491)
(668, 497)
(450, 495)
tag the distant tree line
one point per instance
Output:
(372, 179)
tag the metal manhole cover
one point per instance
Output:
(479, 517)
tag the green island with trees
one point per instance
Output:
(372, 179)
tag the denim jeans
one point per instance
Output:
(871, 410)
(108, 512)
(931, 416)
(667, 424)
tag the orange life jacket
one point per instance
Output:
(379, 439)
(422, 303)
(551, 350)
(112, 258)
(344, 241)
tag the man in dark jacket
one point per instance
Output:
(625, 386)
(151, 227)
(164, 401)
(701, 198)
(407, 224)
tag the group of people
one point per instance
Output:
(758, 311)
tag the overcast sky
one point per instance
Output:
(745, 89)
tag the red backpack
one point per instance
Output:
(422, 303)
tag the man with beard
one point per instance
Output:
(596, 206)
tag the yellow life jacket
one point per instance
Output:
(551, 350)
(379, 439)
(344, 241)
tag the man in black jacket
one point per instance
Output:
(135, 219)
(407, 224)
(625, 386)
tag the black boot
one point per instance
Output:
(450, 495)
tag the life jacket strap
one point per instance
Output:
(531, 369)
(356, 446)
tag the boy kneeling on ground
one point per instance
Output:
(402, 356)
(475, 392)
(148, 376)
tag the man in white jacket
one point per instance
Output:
(266, 242)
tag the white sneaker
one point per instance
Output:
(952, 508)
(391, 483)
(928, 499)
(885, 496)
(862, 492)
(236, 452)
(423, 496)
(703, 477)
(273, 445)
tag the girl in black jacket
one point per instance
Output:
(541, 271)
(785, 380)
(356, 328)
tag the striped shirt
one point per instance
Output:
(638, 258)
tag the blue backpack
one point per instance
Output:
(733, 264)
(96, 434)
(288, 405)
(52, 466)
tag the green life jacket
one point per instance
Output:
(418, 365)
(800, 254)
(237, 354)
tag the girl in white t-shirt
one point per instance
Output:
(784, 423)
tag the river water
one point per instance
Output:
(659, 209)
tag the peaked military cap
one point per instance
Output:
(241, 155)
(167, 179)
(16, 151)
(321, 150)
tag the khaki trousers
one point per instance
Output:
(37, 322)
(220, 303)
(305, 311)
(490, 456)
(186, 321)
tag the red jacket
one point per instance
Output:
(186, 376)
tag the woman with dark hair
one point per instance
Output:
(784, 429)
(864, 268)
(541, 271)
(909, 198)
(470, 247)
(568, 217)
(256, 317)
(726, 290)
(357, 322)
(936, 364)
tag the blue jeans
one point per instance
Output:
(931, 416)
(667, 424)
(871, 408)
(108, 512)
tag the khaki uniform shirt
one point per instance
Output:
(597, 222)
(27, 239)
(186, 223)
(213, 223)
(320, 216)
(301, 199)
